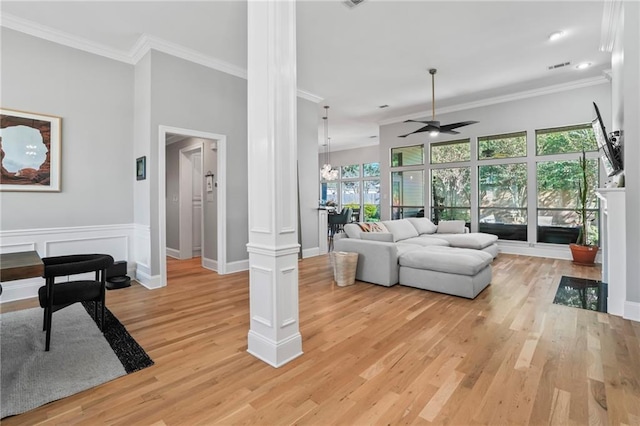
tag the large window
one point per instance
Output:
(506, 184)
(557, 201)
(407, 156)
(450, 187)
(451, 193)
(557, 183)
(450, 152)
(565, 140)
(350, 172)
(502, 194)
(502, 146)
(359, 191)
(371, 192)
(407, 192)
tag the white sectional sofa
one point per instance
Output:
(415, 252)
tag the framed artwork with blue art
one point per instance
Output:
(30, 145)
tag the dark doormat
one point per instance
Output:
(582, 293)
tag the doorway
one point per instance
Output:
(192, 195)
(192, 238)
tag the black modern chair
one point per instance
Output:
(337, 222)
(55, 296)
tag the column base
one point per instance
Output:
(273, 353)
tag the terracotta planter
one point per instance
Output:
(583, 255)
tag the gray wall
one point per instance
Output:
(369, 154)
(552, 110)
(191, 96)
(308, 174)
(94, 97)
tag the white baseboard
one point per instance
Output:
(210, 264)
(552, 251)
(173, 253)
(21, 289)
(237, 266)
(632, 311)
(310, 252)
(144, 277)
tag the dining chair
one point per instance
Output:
(337, 222)
(55, 296)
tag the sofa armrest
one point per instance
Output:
(377, 261)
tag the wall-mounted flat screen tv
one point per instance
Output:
(611, 151)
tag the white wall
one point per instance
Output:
(627, 110)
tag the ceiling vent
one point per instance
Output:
(560, 65)
(352, 3)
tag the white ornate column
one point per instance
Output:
(273, 247)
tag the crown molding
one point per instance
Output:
(143, 45)
(47, 33)
(587, 82)
(147, 42)
(309, 96)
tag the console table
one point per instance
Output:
(20, 265)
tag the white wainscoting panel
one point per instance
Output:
(115, 240)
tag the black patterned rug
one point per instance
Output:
(128, 351)
(582, 293)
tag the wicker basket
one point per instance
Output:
(344, 267)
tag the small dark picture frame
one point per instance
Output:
(141, 168)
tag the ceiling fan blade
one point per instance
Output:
(449, 132)
(452, 126)
(426, 128)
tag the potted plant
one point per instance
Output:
(583, 252)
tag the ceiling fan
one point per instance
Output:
(433, 126)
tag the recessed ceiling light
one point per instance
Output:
(583, 65)
(556, 36)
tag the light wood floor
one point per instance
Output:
(372, 355)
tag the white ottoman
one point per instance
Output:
(456, 271)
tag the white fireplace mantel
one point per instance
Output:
(614, 247)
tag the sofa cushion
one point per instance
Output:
(475, 240)
(451, 227)
(354, 230)
(386, 237)
(426, 241)
(446, 259)
(401, 229)
(423, 225)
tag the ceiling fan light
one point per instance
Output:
(556, 36)
(434, 133)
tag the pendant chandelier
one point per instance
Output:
(326, 172)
